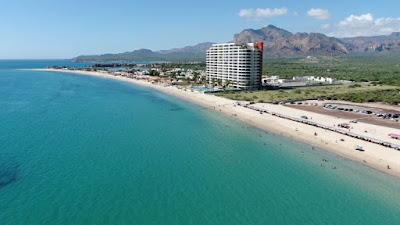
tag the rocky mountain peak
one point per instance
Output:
(282, 43)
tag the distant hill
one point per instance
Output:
(188, 53)
(199, 48)
(278, 43)
(389, 43)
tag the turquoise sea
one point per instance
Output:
(78, 150)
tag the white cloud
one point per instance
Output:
(326, 26)
(319, 14)
(366, 25)
(262, 13)
(357, 21)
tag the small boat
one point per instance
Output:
(360, 148)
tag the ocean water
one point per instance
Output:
(82, 150)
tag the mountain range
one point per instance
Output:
(188, 53)
(277, 42)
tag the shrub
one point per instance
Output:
(355, 86)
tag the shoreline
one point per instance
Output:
(377, 157)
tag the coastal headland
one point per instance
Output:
(379, 157)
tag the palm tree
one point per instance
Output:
(214, 82)
(227, 83)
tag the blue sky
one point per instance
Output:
(64, 29)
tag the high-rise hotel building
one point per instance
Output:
(239, 65)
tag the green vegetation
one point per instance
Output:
(377, 78)
(360, 92)
(377, 68)
(391, 96)
(154, 73)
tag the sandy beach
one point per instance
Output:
(375, 156)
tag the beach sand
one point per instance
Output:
(384, 159)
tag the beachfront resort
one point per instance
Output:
(307, 108)
(236, 65)
(200, 112)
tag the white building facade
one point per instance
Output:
(239, 65)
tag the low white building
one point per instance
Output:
(273, 80)
(326, 80)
